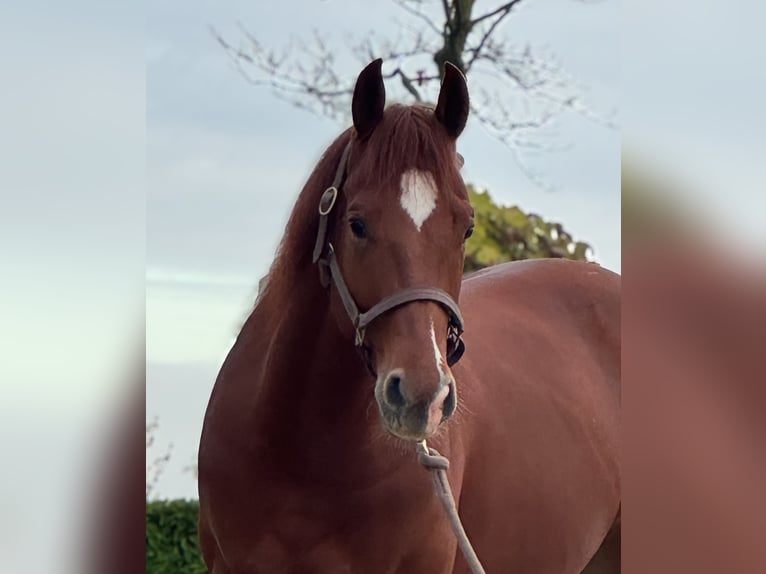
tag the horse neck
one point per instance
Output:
(316, 397)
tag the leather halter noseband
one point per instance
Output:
(324, 256)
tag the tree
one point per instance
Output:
(508, 234)
(516, 90)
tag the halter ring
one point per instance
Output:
(327, 202)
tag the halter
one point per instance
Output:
(324, 257)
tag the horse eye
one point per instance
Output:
(468, 232)
(358, 228)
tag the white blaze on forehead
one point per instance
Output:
(418, 195)
(437, 353)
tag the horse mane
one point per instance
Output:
(407, 137)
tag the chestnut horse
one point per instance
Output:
(307, 461)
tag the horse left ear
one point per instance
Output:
(452, 107)
(369, 99)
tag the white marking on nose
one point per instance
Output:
(418, 197)
(436, 410)
(437, 353)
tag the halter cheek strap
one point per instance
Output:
(326, 204)
(324, 257)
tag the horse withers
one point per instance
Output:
(353, 352)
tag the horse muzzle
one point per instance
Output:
(412, 418)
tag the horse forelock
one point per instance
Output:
(408, 137)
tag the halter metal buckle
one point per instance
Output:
(327, 202)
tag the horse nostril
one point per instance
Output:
(393, 391)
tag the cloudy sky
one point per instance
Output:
(225, 161)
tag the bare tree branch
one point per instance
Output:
(447, 16)
(404, 5)
(519, 91)
(156, 466)
(505, 9)
(399, 48)
(407, 83)
(458, 10)
(316, 88)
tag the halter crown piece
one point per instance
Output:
(324, 257)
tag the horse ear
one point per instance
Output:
(369, 99)
(452, 107)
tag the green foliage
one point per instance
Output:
(172, 546)
(508, 234)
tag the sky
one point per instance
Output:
(226, 160)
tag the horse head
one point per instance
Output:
(399, 224)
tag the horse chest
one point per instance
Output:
(346, 532)
(296, 550)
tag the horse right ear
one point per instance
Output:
(452, 107)
(369, 99)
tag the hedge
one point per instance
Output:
(172, 546)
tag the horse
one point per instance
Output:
(352, 354)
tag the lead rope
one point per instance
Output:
(438, 465)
